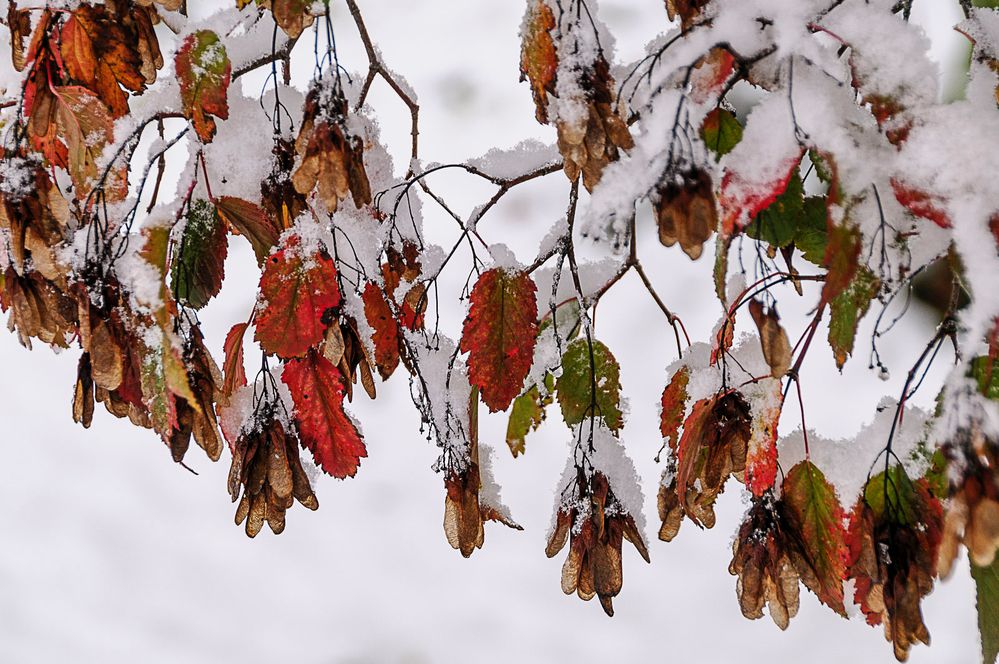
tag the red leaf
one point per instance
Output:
(499, 335)
(920, 203)
(297, 290)
(386, 332)
(674, 403)
(710, 74)
(317, 388)
(761, 454)
(741, 198)
(235, 373)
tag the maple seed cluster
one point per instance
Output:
(594, 526)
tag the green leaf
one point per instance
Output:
(822, 169)
(198, 268)
(778, 223)
(721, 131)
(985, 4)
(576, 394)
(815, 507)
(812, 234)
(527, 414)
(936, 475)
(846, 310)
(895, 491)
(985, 371)
(987, 583)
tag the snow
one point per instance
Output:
(528, 155)
(847, 462)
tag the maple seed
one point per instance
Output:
(332, 157)
(594, 526)
(773, 338)
(712, 447)
(685, 210)
(973, 510)
(762, 559)
(464, 513)
(266, 475)
(893, 537)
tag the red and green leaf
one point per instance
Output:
(721, 131)
(199, 264)
(813, 502)
(499, 335)
(326, 430)
(742, 198)
(674, 404)
(841, 260)
(847, 309)
(204, 71)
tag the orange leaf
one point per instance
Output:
(235, 373)
(538, 59)
(386, 332)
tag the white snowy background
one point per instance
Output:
(111, 553)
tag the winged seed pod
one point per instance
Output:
(713, 446)
(893, 537)
(332, 159)
(595, 523)
(972, 516)
(266, 475)
(686, 211)
(573, 89)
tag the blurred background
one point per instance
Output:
(111, 553)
